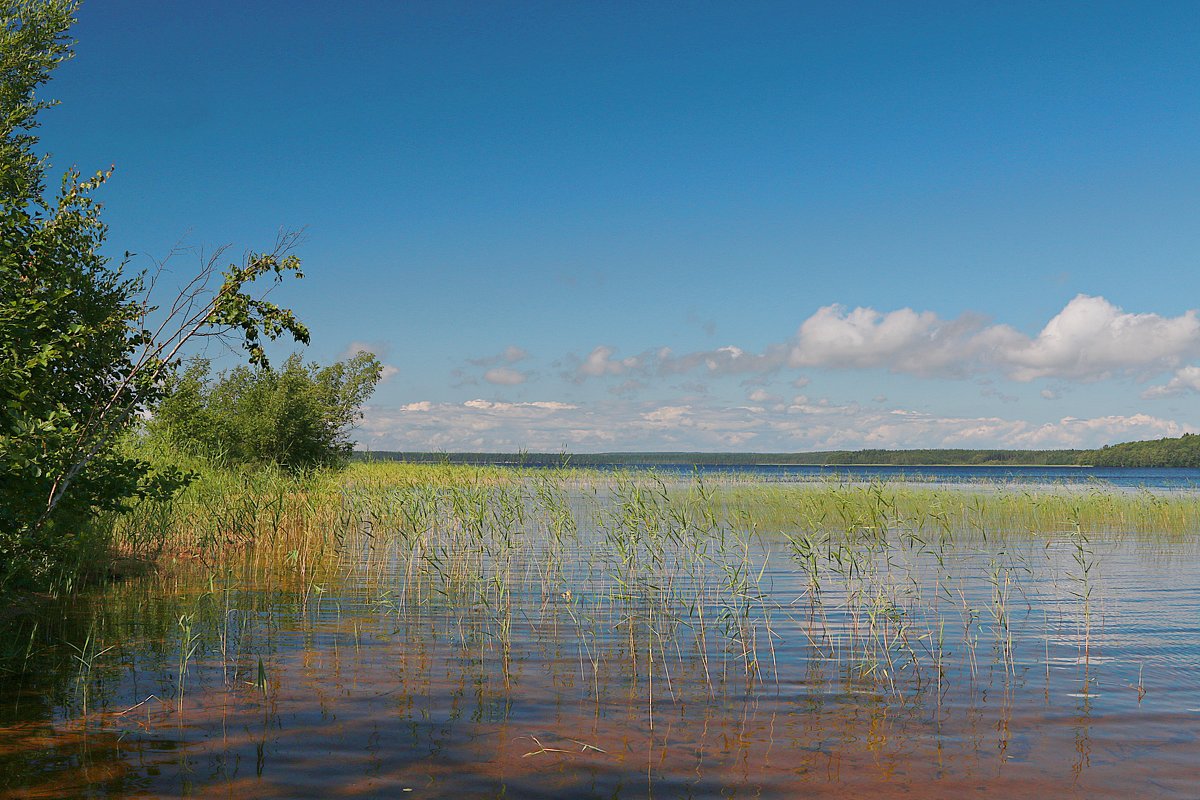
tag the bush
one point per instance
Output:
(297, 417)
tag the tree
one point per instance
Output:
(297, 417)
(84, 353)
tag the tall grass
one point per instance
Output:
(661, 588)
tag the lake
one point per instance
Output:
(561, 635)
(1173, 478)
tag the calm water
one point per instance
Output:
(1100, 477)
(987, 665)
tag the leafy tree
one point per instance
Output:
(297, 417)
(83, 352)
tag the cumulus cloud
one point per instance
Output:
(601, 362)
(1090, 339)
(1184, 381)
(902, 340)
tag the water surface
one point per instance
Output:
(479, 657)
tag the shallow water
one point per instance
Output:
(716, 665)
(1107, 478)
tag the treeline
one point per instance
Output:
(823, 458)
(1181, 452)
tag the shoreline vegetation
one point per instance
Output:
(277, 527)
(255, 510)
(283, 521)
(1181, 452)
(667, 592)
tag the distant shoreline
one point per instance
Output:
(1182, 452)
(675, 460)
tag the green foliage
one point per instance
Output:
(80, 360)
(297, 417)
(1181, 452)
(33, 40)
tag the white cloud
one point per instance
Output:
(1091, 338)
(502, 407)
(863, 338)
(1184, 381)
(762, 396)
(600, 362)
(505, 376)
(804, 424)
(668, 415)
(1074, 432)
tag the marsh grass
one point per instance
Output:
(656, 590)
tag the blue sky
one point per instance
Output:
(684, 226)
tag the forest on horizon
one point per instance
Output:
(1183, 451)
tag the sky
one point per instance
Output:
(619, 226)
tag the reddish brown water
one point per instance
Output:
(361, 694)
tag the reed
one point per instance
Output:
(656, 586)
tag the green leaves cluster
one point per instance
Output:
(80, 360)
(298, 416)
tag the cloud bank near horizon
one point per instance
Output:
(1089, 340)
(798, 424)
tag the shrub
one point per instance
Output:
(298, 416)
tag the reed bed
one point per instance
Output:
(651, 579)
(630, 593)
